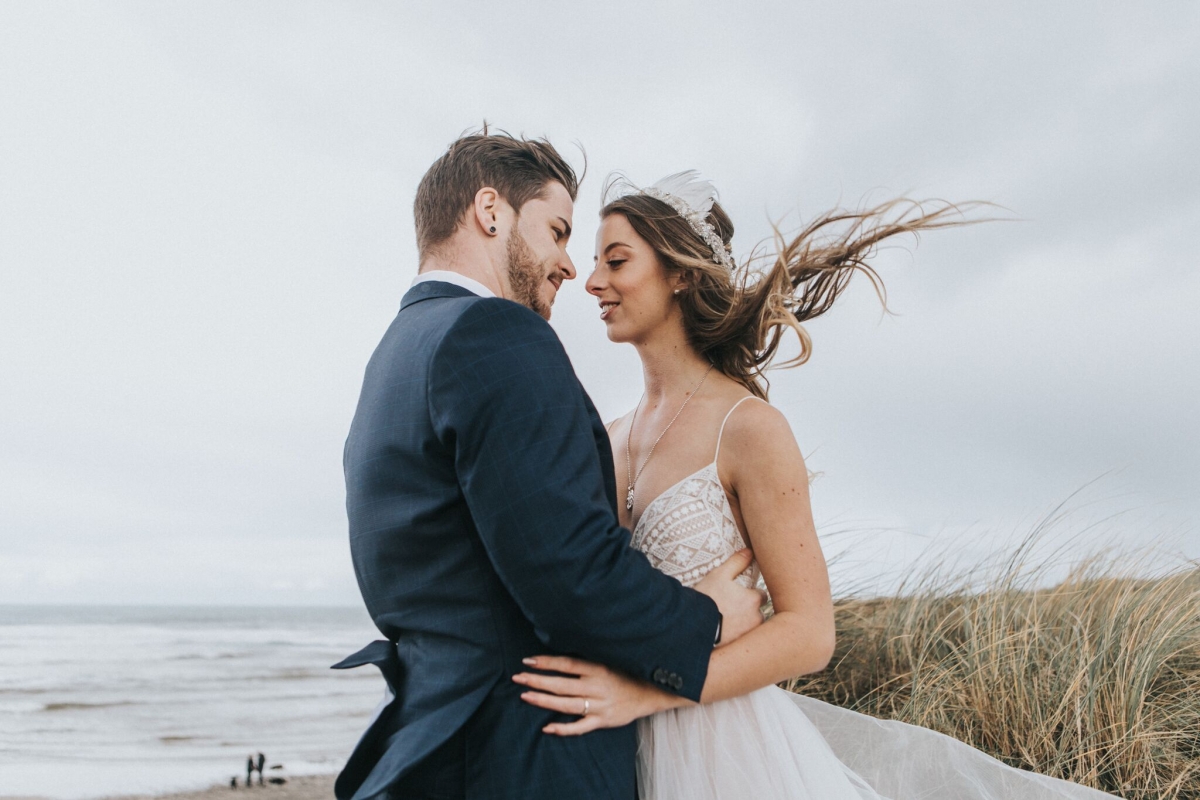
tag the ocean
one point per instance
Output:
(100, 701)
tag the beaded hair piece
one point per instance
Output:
(692, 197)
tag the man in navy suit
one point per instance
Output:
(482, 510)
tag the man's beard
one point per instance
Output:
(525, 275)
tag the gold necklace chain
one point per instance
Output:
(629, 476)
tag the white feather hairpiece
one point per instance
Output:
(692, 197)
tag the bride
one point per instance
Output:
(713, 472)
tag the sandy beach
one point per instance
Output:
(310, 787)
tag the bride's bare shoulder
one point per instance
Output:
(755, 419)
(756, 436)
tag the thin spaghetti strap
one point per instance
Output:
(721, 432)
(609, 426)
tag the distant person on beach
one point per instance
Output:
(249, 771)
(483, 511)
(259, 762)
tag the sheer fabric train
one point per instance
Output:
(772, 744)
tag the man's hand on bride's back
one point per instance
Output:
(740, 607)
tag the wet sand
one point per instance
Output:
(309, 787)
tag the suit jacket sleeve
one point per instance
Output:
(504, 396)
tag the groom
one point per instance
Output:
(482, 509)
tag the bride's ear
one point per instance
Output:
(682, 283)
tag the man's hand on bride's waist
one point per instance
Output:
(740, 607)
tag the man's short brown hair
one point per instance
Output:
(518, 168)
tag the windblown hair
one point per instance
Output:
(737, 321)
(519, 169)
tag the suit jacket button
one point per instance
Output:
(676, 682)
(660, 675)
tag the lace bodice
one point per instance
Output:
(688, 530)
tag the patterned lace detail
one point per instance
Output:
(689, 530)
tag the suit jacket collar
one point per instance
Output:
(427, 290)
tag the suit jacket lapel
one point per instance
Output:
(604, 448)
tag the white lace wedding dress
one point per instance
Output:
(772, 744)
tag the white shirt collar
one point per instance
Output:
(446, 276)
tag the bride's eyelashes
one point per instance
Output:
(616, 262)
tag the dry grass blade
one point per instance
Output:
(1095, 679)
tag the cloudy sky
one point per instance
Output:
(205, 227)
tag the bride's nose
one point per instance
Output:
(594, 284)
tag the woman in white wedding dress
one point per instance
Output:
(711, 472)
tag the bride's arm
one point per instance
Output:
(764, 468)
(763, 465)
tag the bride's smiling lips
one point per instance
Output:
(606, 307)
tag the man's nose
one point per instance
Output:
(568, 268)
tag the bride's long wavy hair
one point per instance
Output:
(737, 320)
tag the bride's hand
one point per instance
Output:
(609, 698)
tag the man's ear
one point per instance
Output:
(486, 208)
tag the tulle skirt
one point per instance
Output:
(772, 744)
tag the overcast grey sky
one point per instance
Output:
(205, 227)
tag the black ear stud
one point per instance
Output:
(492, 229)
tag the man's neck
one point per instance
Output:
(472, 263)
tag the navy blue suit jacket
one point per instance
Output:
(483, 529)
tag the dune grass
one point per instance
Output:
(1095, 679)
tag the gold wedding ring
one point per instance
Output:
(587, 705)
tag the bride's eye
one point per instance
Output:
(616, 262)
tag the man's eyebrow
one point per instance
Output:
(567, 226)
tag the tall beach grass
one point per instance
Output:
(1095, 678)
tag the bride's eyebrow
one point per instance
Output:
(614, 244)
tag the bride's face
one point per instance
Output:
(635, 292)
